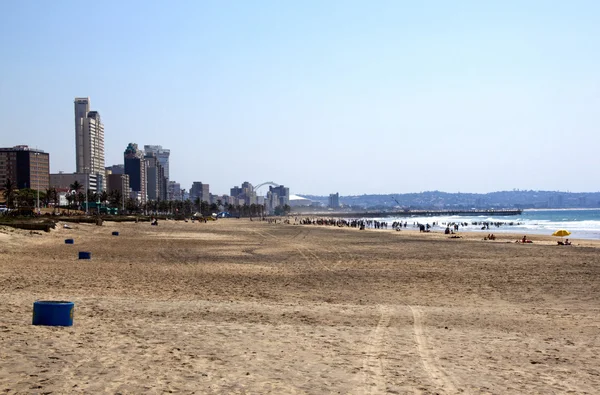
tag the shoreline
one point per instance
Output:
(501, 237)
(522, 226)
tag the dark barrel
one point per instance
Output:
(53, 313)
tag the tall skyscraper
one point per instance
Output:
(162, 154)
(155, 177)
(89, 141)
(82, 107)
(135, 167)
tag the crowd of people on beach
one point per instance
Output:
(340, 223)
(451, 228)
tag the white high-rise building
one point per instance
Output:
(89, 141)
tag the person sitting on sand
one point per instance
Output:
(567, 242)
(524, 240)
(492, 237)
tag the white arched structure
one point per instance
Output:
(266, 183)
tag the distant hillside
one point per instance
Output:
(439, 200)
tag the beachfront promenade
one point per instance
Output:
(419, 213)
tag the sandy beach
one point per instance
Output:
(248, 307)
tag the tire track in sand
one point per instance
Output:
(375, 379)
(438, 376)
(300, 247)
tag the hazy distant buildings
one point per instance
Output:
(283, 194)
(89, 141)
(120, 183)
(161, 154)
(555, 201)
(174, 191)
(334, 200)
(235, 191)
(248, 193)
(25, 167)
(135, 167)
(244, 195)
(115, 169)
(272, 201)
(200, 190)
(155, 178)
(63, 181)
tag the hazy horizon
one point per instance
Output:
(457, 192)
(322, 97)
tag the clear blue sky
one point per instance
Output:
(322, 96)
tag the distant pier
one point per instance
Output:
(420, 213)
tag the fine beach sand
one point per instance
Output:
(248, 307)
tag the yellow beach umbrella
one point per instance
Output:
(561, 233)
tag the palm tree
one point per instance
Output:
(203, 207)
(103, 196)
(132, 205)
(187, 207)
(80, 199)
(152, 205)
(70, 199)
(163, 206)
(47, 197)
(52, 197)
(92, 196)
(9, 193)
(114, 198)
(75, 187)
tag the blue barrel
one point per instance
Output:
(85, 255)
(53, 313)
(69, 241)
(115, 233)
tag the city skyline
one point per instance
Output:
(340, 96)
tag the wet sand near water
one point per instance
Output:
(239, 306)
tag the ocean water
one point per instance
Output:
(582, 223)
